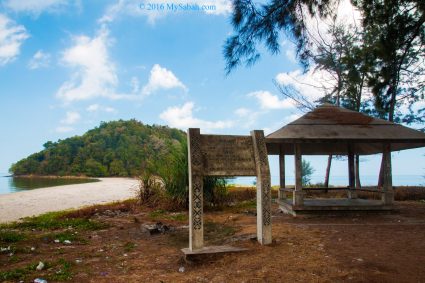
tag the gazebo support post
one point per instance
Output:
(388, 192)
(352, 194)
(281, 192)
(298, 194)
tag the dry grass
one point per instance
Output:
(401, 193)
(131, 205)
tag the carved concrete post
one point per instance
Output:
(196, 221)
(264, 218)
(298, 194)
(388, 192)
(281, 194)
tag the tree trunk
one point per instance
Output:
(328, 170)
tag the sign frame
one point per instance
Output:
(221, 155)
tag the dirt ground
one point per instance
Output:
(359, 247)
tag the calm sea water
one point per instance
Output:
(12, 185)
(398, 180)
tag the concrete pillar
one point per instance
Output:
(352, 194)
(387, 188)
(282, 185)
(196, 219)
(264, 217)
(298, 194)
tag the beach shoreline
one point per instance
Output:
(35, 202)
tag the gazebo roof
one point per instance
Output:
(330, 129)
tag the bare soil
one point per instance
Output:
(359, 247)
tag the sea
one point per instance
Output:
(365, 180)
(10, 185)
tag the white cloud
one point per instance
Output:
(72, 117)
(64, 129)
(290, 54)
(39, 60)
(11, 38)
(95, 74)
(141, 8)
(97, 107)
(182, 117)
(270, 101)
(242, 112)
(280, 124)
(311, 84)
(135, 85)
(34, 6)
(222, 7)
(161, 78)
(93, 108)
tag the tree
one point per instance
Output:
(389, 61)
(395, 36)
(344, 57)
(264, 23)
(393, 33)
(306, 172)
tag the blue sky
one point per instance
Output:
(67, 65)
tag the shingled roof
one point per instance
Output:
(329, 129)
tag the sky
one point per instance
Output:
(67, 65)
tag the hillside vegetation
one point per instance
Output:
(118, 148)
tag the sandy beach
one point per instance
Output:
(34, 202)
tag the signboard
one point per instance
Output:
(227, 155)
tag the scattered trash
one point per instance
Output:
(40, 280)
(78, 260)
(181, 269)
(125, 254)
(11, 254)
(5, 249)
(101, 250)
(32, 249)
(57, 241)
(360, 259)
(40, 266)
(68, 242)
(155, 228)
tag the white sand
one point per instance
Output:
(17, 205)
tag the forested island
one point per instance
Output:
(117, 148)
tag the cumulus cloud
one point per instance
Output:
(182, 117)
(133, 8)
(34, 6)
(71, 117)
(161, 78)
(97, 107)
(276, 126)
(290, 54)
(269, 101)
(39, 60)
(94, 75)
(64, 129)
(242, 112)
(12, 36)
(311, 84)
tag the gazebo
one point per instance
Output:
(330, 129)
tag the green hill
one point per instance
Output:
(118, 148)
